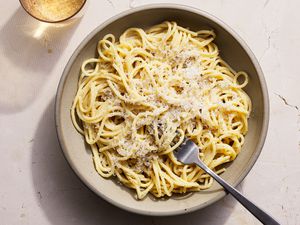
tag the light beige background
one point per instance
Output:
(36, 184)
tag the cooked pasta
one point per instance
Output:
(143, 93)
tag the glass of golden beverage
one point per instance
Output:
(52, 11)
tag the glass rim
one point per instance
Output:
(51, 21)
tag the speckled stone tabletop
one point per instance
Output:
(36, 184)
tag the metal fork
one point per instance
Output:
(188, 153)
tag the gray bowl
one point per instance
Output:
(232, 48)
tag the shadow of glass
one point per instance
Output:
(30, 50)
(65, 200)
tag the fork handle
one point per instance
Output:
(261, 215)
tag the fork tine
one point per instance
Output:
(187, 152)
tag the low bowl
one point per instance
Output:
(232, 49)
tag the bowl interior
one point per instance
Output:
(232, 49)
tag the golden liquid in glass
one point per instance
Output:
(52, 10)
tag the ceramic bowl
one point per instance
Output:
(232, 48)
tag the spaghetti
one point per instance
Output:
(145, 92)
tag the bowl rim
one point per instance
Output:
(62, 82)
